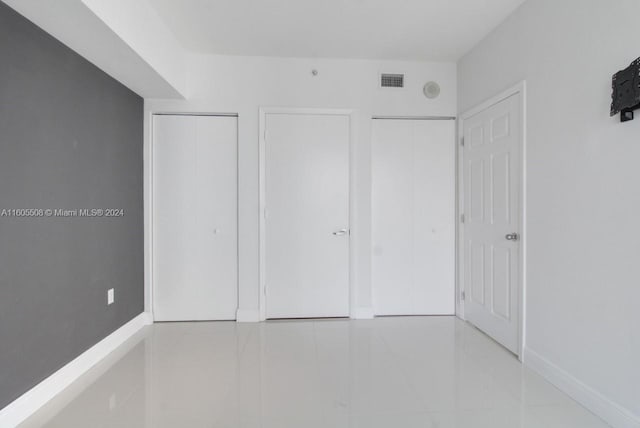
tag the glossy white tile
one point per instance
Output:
(402, 372)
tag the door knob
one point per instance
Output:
(512, 237)
(341, 232)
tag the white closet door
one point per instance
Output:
(195, 264)
(307, 215)
(413, 224)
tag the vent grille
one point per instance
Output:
(391, 80)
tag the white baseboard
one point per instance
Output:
(247, 315)
(365, 313)
(250, 315)
(29, 402)
(612, 413)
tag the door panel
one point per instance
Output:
(500, 201)
(307, 215)
(195, 217)
(413, 211)
(491, 179)
(501, 295)
(476, 191)
(476, 279)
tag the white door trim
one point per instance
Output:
(351, 114)
(148, 164)
(520, 88)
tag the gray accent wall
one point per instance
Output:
(70, 138)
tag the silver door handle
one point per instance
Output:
(341, 232)
(512, 237)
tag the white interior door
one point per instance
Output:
(413, 217)
(195, 218)
(306, 215)
(491, 180)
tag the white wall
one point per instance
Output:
(583, 286)
(126, 39)
(227, 84)
(138, 24)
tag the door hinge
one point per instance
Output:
(462, 141)
(265, 213)
(463, 296)
(461, 218)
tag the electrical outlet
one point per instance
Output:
(110, 296)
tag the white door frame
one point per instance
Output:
(520, 88)
(149, 191)
(351, 114)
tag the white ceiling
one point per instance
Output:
(377, 29)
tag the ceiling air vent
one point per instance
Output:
(388, 80)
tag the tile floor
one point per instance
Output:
(400, 372)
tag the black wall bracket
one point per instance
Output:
(627, 115)
(625, 95)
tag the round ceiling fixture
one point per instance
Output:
(431, 90)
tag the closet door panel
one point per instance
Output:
(413, 217)
(195, 236)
